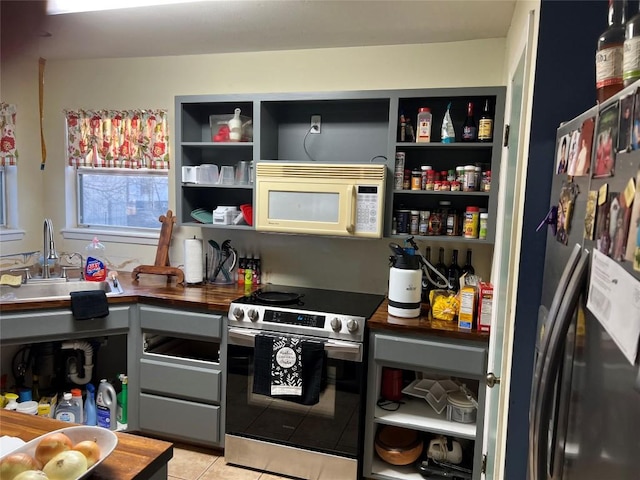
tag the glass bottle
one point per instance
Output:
(440, 266)
(468, 267)
(485, 125)
(631, 50)
(469, 131)
(454, 272)
(609, 53)
(426, 284)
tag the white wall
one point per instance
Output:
(154, 82)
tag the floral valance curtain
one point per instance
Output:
(118, 138)
(8, 152)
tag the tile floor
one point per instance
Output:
(196, 463)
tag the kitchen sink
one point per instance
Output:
(55, 289)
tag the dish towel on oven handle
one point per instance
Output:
(286, 366)
(314, 370)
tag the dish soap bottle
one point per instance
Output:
(235, 127)
(90, 416)
(95, 269)
(122, 402)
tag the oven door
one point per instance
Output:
(330, 426)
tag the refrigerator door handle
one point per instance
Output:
(551, 325)
(551, 365)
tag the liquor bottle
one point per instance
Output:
(426, 284)
(485, 125)
(469, 130)
(631, 51)
(403, 128)
(609, 53)
(454, 272)
(467, 267)
(440, 266)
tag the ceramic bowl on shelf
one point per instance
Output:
(398, 446)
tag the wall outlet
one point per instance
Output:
(315, 123)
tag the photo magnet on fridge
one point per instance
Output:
(573, 151)
(606, 140)
(566, 202)
(583, 157)
(603, 240)
(620, 223)
(632, 252)
(635, 135)
(625, 123)
(590, 214)
(562, 154)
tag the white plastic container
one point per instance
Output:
(30, 407)
(460, 408)
(106, 405)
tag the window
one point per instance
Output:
(119, 162)
(121, 198)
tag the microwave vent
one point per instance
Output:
(326, 170)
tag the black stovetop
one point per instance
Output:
(318, 300)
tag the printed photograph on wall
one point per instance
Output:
(562, 154)
(566, 201)
(603, 240)
(583, 159)
(573, 151)
(590, 214)
(626, 123)
(635, 137)
(606, 136)
(632, 253)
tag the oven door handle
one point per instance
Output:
(351, 351)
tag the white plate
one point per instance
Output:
(106, 440)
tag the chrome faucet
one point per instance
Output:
(49, 250)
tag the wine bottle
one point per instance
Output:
(485, 125)
(454, 272)
(441, 266)
(426, 284)
(631, 51)
(609, 52)
(467, 268)
(469, 130)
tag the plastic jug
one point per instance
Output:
(67, 411)
(106, 405)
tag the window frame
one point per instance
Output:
(9, 231)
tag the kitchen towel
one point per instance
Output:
(314, 370)
(286, 366)
(88, 304)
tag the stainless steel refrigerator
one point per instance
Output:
(584, 419)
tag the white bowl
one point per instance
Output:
(106, 440)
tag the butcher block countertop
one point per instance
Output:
(161, 290)
(135, 457)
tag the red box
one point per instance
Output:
(485, 306)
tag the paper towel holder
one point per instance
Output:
(161, 265)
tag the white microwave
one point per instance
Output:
(322, 199)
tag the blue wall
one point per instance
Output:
(564, 87)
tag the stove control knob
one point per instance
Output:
(253, 315)
(352, 326)
(238, 313)
(336, 324)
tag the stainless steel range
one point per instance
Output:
(315, 434)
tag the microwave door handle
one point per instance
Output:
(351, 207)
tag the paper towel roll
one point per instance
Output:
(193, 268)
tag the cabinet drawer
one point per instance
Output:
(185, 322)
(180, 418)
(182, 378)
(54, 324)
(457, 358)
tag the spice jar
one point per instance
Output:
(478, 178)
(471, 222)
(460, 175)
(416, 180)
(406, 183)
(423, 227)
(414, 222)
(486, 181)
(469, 184)
(431, 178)
(484, 221)
(455, 186)
(445, 185)
(425, 173)
(435, 223)
(453, 223)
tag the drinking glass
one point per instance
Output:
(226, 175)
(242, 173)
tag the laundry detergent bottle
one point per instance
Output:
(95, 269)
(106, 405)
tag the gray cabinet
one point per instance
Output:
(427, 357)
(355, 127)
(181, 374)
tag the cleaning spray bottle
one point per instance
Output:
(95, 269)
(90, 415)
(122, 402)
